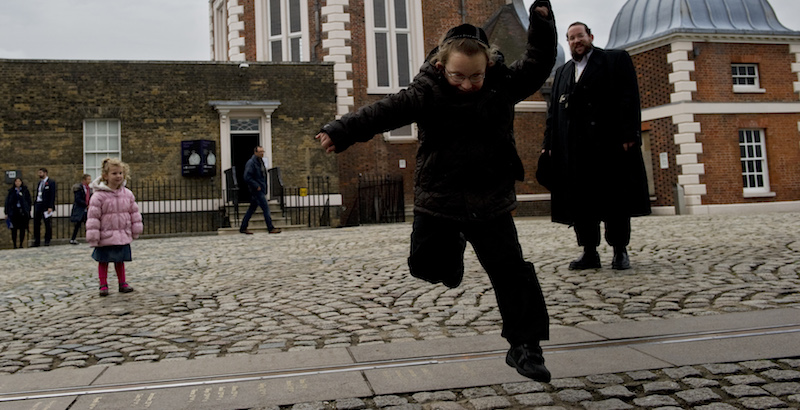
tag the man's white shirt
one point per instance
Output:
(581, 65)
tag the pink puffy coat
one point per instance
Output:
(113, 217)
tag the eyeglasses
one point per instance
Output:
(459, 78)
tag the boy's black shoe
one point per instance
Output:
(125, 288)
(528, 360)
(588, 260)
(104, 290)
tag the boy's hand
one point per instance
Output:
(326, 142)
(541, 7)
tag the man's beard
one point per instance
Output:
(586, 49)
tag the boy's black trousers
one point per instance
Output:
(437, 255)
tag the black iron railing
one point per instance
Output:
(187, 206)
(309, 206)
(232, 192)
(380, 199)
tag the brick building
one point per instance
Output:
(377, 47)
(67, 116)
(719, 87)
(694, 108)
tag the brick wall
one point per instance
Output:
(249, 18)
(661, 132)
(652, 70)
(529, 136)
(723, 172)
(43, 105)
(440, 16)
(713, 71)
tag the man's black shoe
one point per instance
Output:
(621, 260)
(528, 360)
(588, 260)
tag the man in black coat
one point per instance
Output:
(255, 176)
(593, 136)
(43, 206)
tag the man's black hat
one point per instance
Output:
(467, 31)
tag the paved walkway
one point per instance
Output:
(307, 291)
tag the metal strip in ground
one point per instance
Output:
(386, 364)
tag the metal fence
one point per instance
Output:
(380, 199)
(168, 208)
(309, 206)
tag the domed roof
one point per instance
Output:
(642, 20)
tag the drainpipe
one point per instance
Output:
(463, 11)
(318, 21)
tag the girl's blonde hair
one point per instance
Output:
(114, 162)
(465, 46)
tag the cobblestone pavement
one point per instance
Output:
(211, 296)
(758, 384)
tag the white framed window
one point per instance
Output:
(101, 140)
(394, 43)
(752, 150)
(745, 78)
(282, 29)
(219, 23)
(403, 135)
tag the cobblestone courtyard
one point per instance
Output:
(210, 296)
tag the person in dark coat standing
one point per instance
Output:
(593, 136)
(463, 102)
(18, 210)
(80, 206)
(255, 176)
(43, 207)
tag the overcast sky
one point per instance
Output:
(178, 29)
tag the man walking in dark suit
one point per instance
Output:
(593, 136)
(255, 176)
(43, 206)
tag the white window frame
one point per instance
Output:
(113, 128)
(219, 24)
(746, 88)
(396, 137)
(753, 155)
(265, 38)
(415, 44)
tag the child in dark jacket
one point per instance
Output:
(463, 103)
(80, 206)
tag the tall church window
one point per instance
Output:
(285, 30)
(219, 23)
(394, 43)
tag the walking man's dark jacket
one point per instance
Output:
(255, 175)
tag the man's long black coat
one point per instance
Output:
(587, 124)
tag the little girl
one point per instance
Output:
(113, 222)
